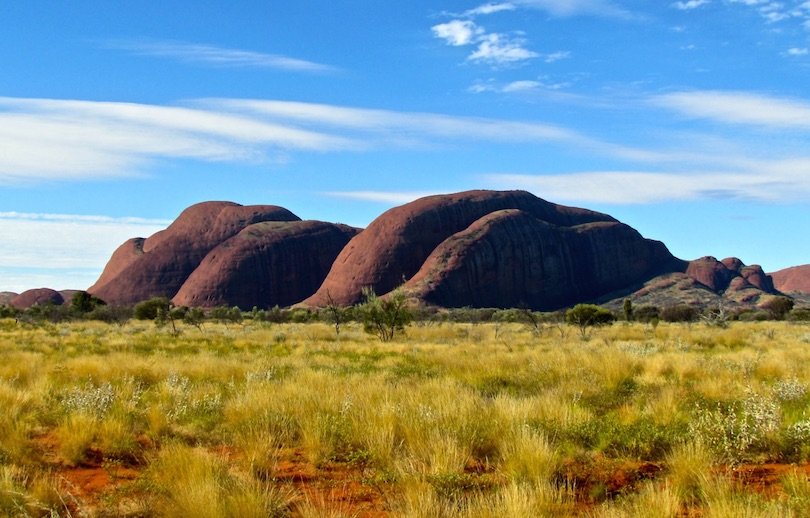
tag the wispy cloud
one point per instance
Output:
(739, 108)
(690, 4)
(567, 8)
(774, 12)
(217, 56)
(46, 139)
(71, 249)
(387, 197)
(796, 51)
(406, 127)
(777, 182)
(557, 56)
(490, 8)
(62, 139)
(499, 49)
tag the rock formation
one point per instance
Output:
(793, 280)
(266, 264)
(6, 297)
(158, 266)
(38, 296)
(474, 248)
(730, 273)
(396, 244)
(510, 258)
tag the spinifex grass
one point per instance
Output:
(447, 420)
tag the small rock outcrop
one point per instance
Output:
(6, 297)
(793, 280)
(158, 266)
(266, 264)
(38, 296)
(729, 274)
(396, 244)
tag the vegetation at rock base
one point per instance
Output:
(497, 418)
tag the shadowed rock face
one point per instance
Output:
(37, 296)
(510, 258)
(795, 279)
(396, 244)
(266, 264)
(158, 266)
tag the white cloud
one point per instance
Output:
(457, 32)
(387, 197)
(218, 56)
(490, 8)
(779, 181)
(498, 49)
(521, 86)
(42, 139)
(45, 138)
(773, 12)
(566, 8)
(71, 249)
(557, 56)
(690, 4)
(739, 108)
(795, 51)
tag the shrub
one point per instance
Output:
(83, 303)
(148, 309)
(679, 313)
(778, 307)
(646, 314)
(384, 317)
(585, 316)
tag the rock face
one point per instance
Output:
(6, 297)
(792, 280)
(158, 266)
(38, 296)
(510, 258)
(266, 264)
(395, 245)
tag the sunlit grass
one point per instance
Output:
(447, 420)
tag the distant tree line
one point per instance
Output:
(388, 315)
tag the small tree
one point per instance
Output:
(170, 314)
(226, 315)
(627, 309)
(194, 317)
(531, 320)
(83, 303)
(384, 317)
(585, 316)
(336, 312)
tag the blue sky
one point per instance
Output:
(689, 120)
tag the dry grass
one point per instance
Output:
(452, 420)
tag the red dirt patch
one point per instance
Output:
(332, 485)
(90, 481)
(765, 479)
(599, 478)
